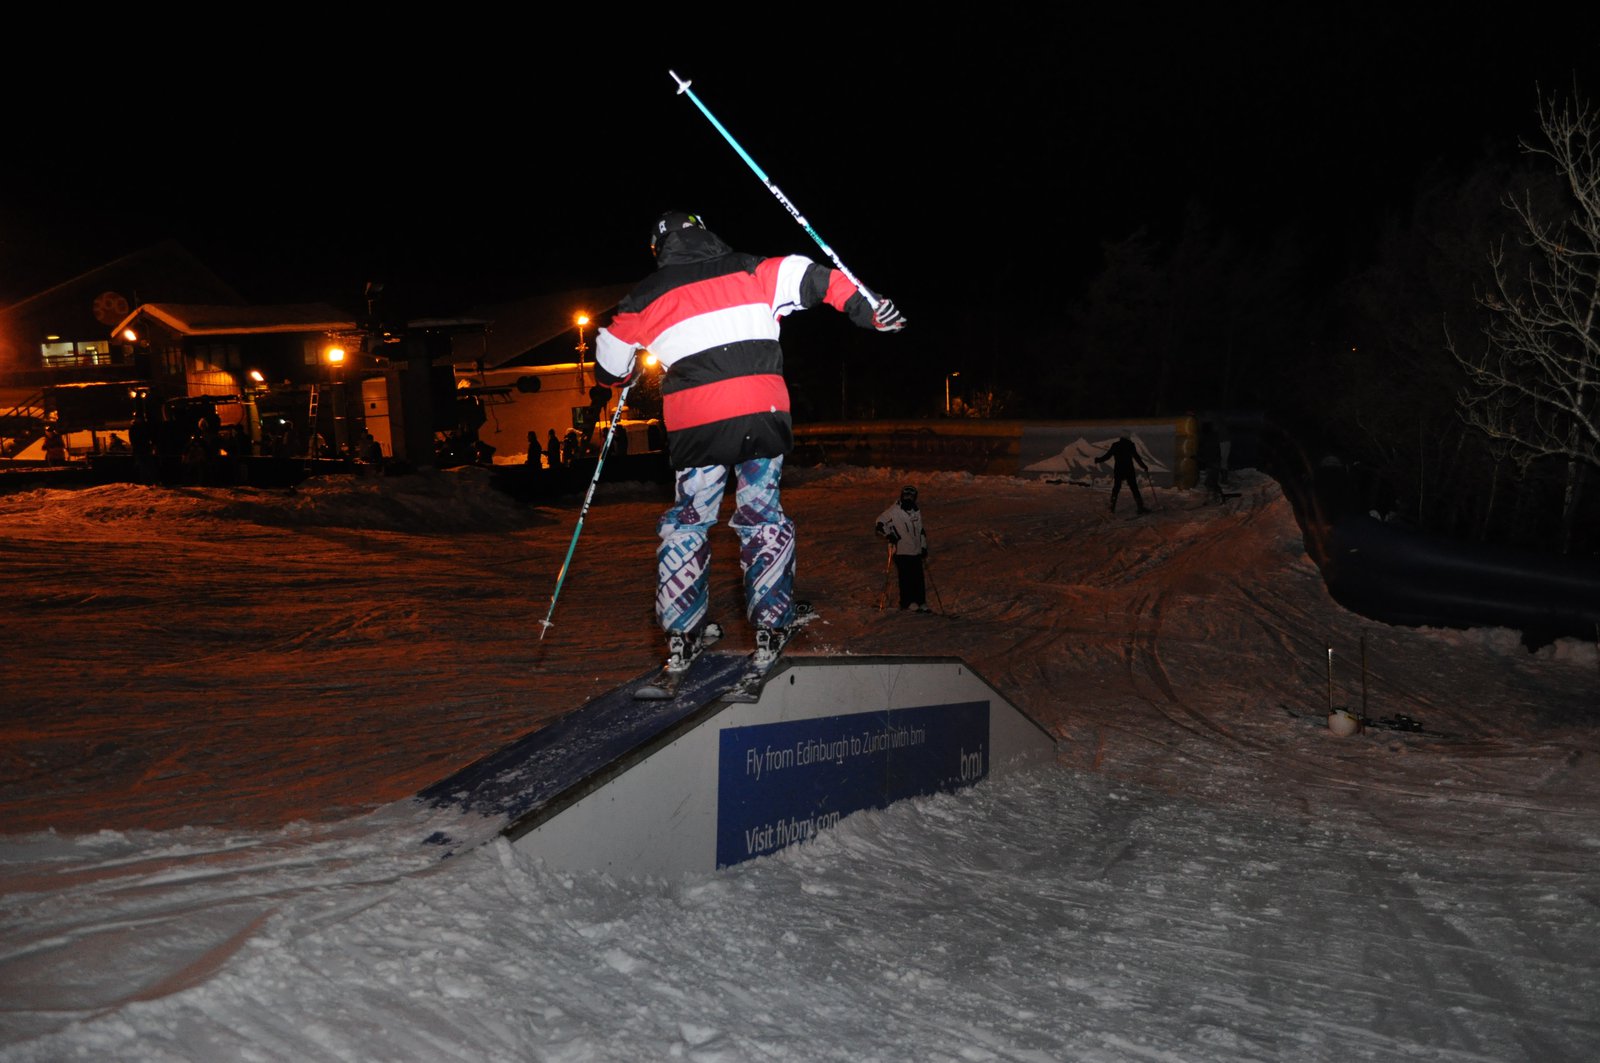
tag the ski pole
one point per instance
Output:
(683, 89)
(1150, 480)
(1330, 680)
(599, 463)
(888, 562)
(927, 570)
(1363, 673)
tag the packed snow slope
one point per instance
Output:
(218, 705)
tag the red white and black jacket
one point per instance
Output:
(710, 316)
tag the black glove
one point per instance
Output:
(888, 318)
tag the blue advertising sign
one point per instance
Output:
(780, 783)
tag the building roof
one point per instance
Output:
(201, 320)
(542, 328)
(164, 265)
(85, 307)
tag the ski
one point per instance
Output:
(664, 685)
(1309, 717)
(747, 688)
(1405, 724)
(1224, 500)
(1400, 723)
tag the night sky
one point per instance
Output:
(950, 167)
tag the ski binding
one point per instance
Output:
(665, 684)
(746, 690)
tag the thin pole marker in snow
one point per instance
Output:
(1363, 673)
(927, 570)
(600, 463)
(1151, 481)
(888, 563)
(683, 89)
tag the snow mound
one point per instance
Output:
(431, 501)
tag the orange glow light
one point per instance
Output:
(582, 319)
(130, 335)
(335, 355)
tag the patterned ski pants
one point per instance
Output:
(766, 545)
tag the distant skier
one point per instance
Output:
(55, 446)
(901, 524)
(1219, 425)
(710, 315)
(1208, 455)
(1124, 455)
(371, 454)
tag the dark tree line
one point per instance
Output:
(1470, 382)
(1454, 367)
(1194, 321)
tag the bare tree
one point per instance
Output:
(1386, 386)
(1534, 385)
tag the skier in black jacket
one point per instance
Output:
(1124, 454)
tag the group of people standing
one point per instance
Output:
(558, 452)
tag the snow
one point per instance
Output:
(218, 704)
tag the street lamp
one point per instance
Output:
(336, 357)
(582, 319)
(947, 380)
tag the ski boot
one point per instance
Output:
(770, 642)
(683, 647)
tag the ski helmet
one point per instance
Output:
(908, 497)
(671, 222)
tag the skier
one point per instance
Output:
(710, 315)
(901, 524)
(1219, 425)
(1208, 455)
(1125, 454)
(55, 446)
